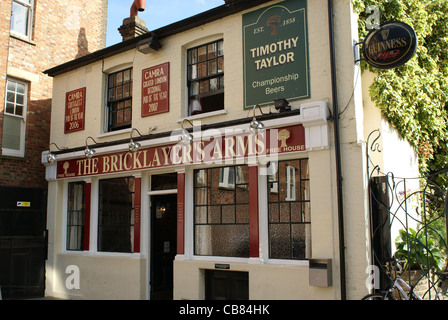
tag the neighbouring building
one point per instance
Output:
(34, 35)
(205, 160)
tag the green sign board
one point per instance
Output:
(275, 45)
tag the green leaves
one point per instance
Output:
(414, 97)
(418, 250)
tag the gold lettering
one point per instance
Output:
(137, 163)
(156, 159)
(187, 154)
(125, 160)
(106, 165)
(113, 163)
(166, 154)
(175, 158)
(229, 144)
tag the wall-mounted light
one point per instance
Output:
(256, 126)
(89, 153)
(282, 105)
(185, 137)
(148, 45)
(51, 157)
(135, 146)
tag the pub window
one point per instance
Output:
(116, 215)
(119, 100)
(14, 121)
(22, 17)
(206, 78)
(221, 214)
(289, 211)
(75, 215)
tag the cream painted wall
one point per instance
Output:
(174, 51)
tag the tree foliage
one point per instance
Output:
(414, 97)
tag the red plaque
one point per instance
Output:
(155, 90)
(75, 104)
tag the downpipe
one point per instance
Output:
(337, 154)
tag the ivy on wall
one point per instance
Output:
(414, 97)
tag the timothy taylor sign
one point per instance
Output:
(276, 53)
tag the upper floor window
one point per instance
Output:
(14, 121)
(22, 17)
(206, 78)
(119, 100)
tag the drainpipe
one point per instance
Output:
(337, 154)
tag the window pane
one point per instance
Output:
(216, 191)
(12, 128)
(289, 208)
(192, 56)
(202, 53)
(116, 215)
(120, 90)
(19, 18)
(75, 215)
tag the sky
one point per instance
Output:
(158, 13)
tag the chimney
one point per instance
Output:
(132, 27)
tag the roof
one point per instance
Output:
(227, 9)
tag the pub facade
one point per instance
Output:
(200, 160)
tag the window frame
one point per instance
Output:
(30, 18)
(200, 97)
(81, 243)
(101, 246)
(112, 104)
(211, 216)
(21, 151)
(281, 193)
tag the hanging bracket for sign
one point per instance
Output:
(389, 46)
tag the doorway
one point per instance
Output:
(163, 245)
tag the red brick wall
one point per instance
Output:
(62, 31)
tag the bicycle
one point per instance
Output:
(398, 283)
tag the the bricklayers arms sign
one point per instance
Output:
(275, 44)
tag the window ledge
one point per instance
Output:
(22, 38)
(114, 133)
(204, 115)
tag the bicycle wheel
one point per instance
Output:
(374, 296)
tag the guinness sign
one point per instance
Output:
(390, 46)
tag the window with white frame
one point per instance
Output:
(14, 122)
(206, 78)
(22, 18)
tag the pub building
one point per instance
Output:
(201, 161)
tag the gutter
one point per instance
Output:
(338, 155)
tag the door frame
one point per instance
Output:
(150, 195)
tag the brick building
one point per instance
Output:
(34, 35)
